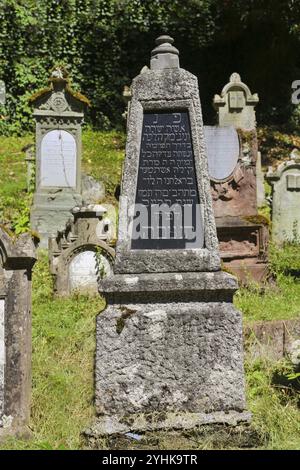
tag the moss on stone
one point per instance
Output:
(257, 219)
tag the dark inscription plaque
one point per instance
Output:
(167, 214)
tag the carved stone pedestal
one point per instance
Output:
(169, 353)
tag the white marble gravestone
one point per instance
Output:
(223, 151)
(85, 270)
(58, 159)
(2, 359)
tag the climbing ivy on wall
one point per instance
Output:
(105, 43)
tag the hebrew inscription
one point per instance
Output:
(58, 160)
(167, 212)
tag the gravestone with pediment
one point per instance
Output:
(17, 257)
(285, 182)
(169, 344)
(236, 104)
(59, 114)
(233, 162)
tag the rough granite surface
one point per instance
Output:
(169, 357)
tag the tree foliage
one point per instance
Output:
(106, 42)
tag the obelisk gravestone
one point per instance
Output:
(169, 344)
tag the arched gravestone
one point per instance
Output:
(236, 104)
(59, 114)
(17, 258)
(169, 328)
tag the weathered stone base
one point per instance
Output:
(50, 213)
(169, 357)
(48, 222)
(110, 425)
(207, 436)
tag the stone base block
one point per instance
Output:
(51, 211)
(169, 365)
(48, 222)
(110, 425)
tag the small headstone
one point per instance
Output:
(2, 93)
(81, 254)
(236, 104)
(59, 113)
(285, 181)
(17, 258)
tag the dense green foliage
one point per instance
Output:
(106, 42)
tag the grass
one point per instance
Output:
(64, 330)
(280, 301)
